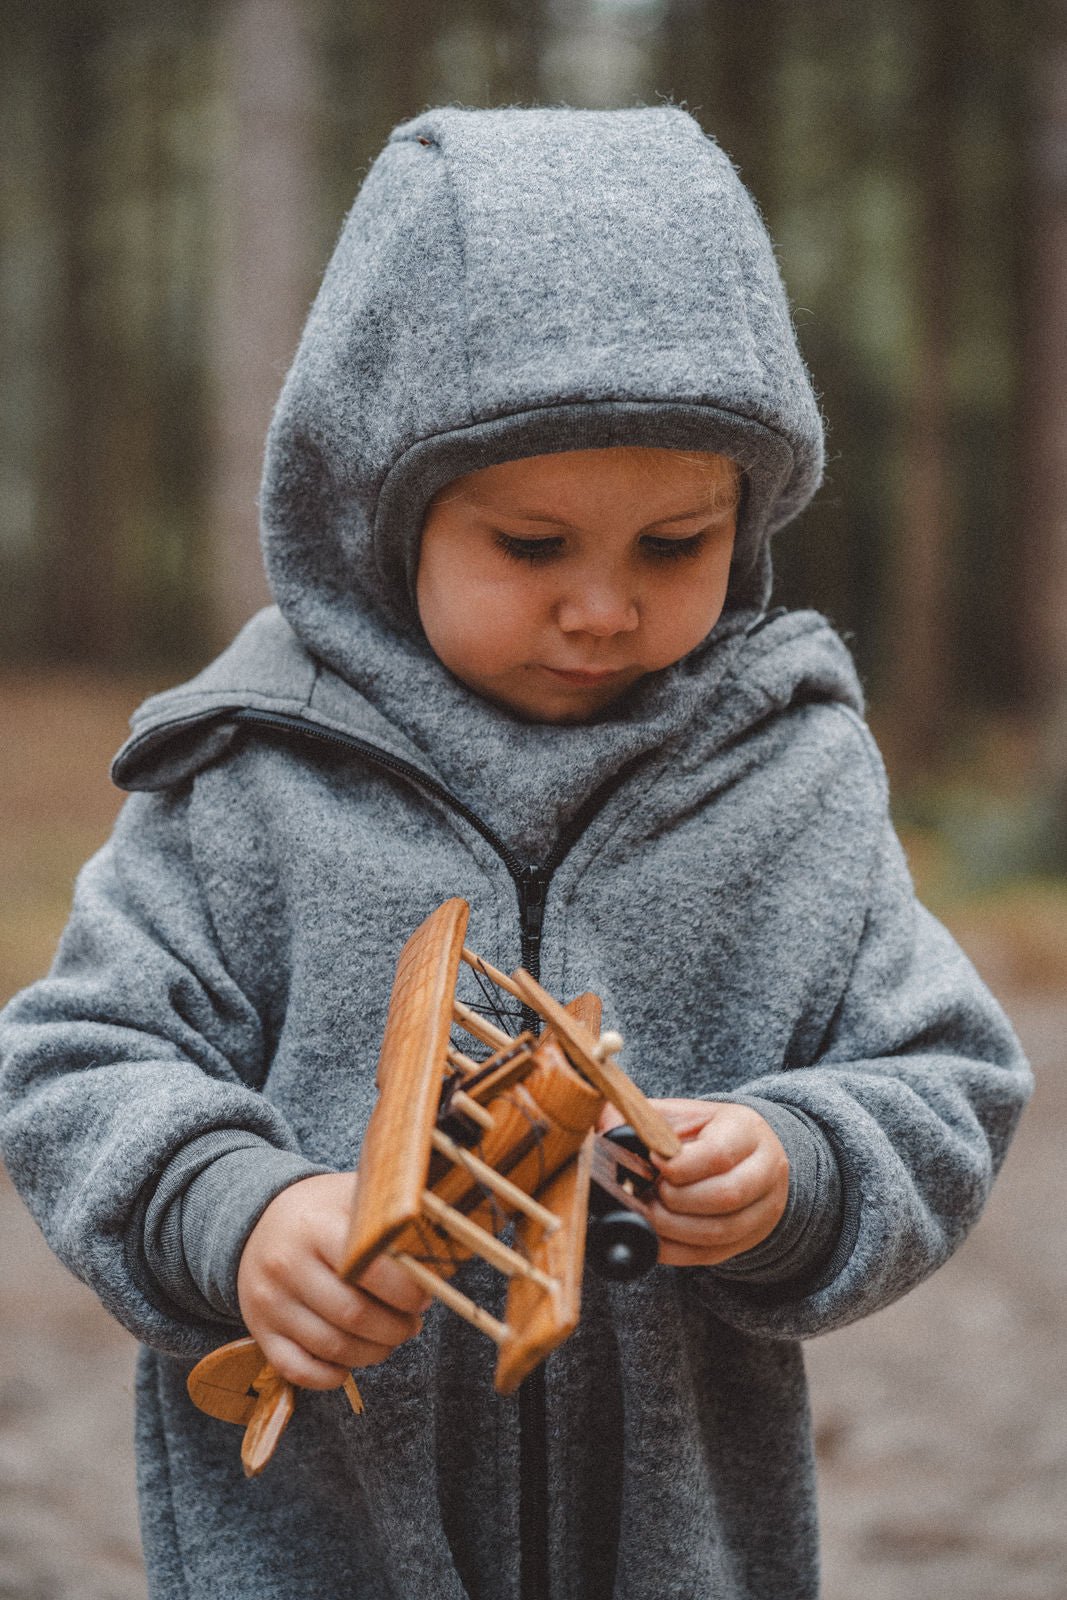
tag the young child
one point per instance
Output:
(547, 411)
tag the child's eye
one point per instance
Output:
(528, 549)
(673, 549)
(539, 550)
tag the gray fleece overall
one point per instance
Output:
(712, 855)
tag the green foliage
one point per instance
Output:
(985, 818)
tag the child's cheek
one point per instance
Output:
(689, 612)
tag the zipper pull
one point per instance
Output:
(533, 891)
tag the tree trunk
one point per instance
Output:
(917, 644)
(77, 620)
(1043, 519)
(265, 275)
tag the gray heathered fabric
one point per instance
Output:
(206, 1203)
(515, 282)
(210, 1026)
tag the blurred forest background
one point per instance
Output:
(174, 178)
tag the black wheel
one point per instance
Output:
(621, 1245)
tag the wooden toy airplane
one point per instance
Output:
(458, 1151)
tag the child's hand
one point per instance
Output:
(727, 1188)
(311, 1325)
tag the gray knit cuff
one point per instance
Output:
(207, 1201)
(810, 1226)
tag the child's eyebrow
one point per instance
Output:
(685, 516)
(657, 522)
(535, 516)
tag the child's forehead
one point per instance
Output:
(613, 469)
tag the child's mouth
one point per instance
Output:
(586, 677)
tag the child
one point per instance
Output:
(546, 413)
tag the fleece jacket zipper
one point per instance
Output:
(531, 884)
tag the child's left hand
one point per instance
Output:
(727, 1188)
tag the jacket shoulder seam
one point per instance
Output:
(865, 740)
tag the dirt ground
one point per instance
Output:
(941, 1423)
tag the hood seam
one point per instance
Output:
(465, 342)
(659, 402)
(461, 244)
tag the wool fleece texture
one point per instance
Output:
(713, 855)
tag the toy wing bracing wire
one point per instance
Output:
(459, 1150)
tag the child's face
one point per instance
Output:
(552, 584)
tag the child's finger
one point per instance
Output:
(333, 1346)
(722, 1143)
(717, 1238)
(293, 1363)
(726, 1192)
(357, 1311)
(389, 1282)
(687, 1117)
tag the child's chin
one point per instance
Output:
(562, 711)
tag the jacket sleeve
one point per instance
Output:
(139, 1055)
(917, 1089)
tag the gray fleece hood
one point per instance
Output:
(515, 282)
(511, 283)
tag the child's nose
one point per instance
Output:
(600, 609)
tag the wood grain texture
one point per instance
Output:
(461, 1304)
(221, 1384)
(275, 1399)
(538, 1125)
(487, 1245)
(587, 1009)
(580, 1044)
(541, 1318)
(395, 1158)
(480, 1027)
(432, 1203)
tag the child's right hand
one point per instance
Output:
(311, 1325)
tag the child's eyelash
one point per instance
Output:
(528, 549)
(536, 550)
(673, 549)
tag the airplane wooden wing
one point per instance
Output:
(395, 1157)
(484, 1149)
